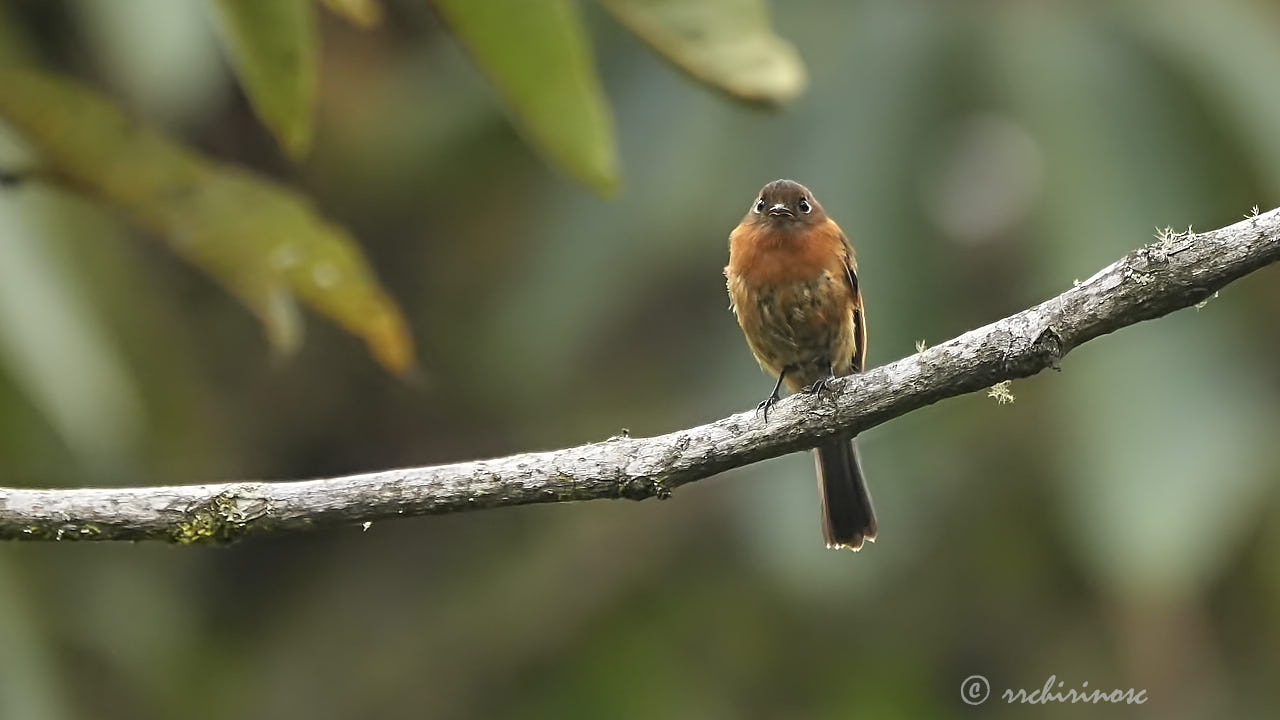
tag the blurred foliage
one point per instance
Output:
(725, 43)
(273, 49)
(538, 57)
(1117, 524)
(261, 240)
(367, 13)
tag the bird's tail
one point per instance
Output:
(847, 517)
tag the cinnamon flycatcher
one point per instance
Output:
(793, 284)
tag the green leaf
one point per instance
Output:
(537, 56)
(365, 13)
(261, 240)
(274, 49)
(727, 44)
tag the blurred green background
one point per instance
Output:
(1117, 524)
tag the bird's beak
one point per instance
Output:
(779, 210)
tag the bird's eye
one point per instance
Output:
(805, 207)
(759, 208)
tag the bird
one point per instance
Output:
(793, 286)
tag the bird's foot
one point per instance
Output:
(822, 389)
(765, 404)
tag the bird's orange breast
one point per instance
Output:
(793, 299)
(761, 256)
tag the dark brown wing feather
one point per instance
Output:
(859, 309)
(860, 329)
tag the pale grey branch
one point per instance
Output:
(1175, 272)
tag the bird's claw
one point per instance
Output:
(765, 404)
(821, 388)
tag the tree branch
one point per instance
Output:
(1178, 270)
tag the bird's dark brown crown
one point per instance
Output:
(785, 202)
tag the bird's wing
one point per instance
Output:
(859, 309)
